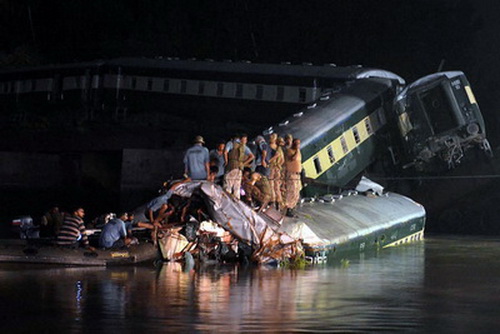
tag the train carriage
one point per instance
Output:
(343, 132)
(347, 117)
(439, 119)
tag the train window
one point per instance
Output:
(201, 87)
(368, 126)
(344, 144)
(317, 165)
(220, 89)
(134, 83)
(183, 86)
(259, 92)
(239, 90)
(331, 155)
(302, 95)
(166, 85)
(78, 82)
(355, 132)
(280, 93)
(150, 84)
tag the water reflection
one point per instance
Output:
(406, 288)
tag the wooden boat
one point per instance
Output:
(22, 251)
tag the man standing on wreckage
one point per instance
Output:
(197, 160)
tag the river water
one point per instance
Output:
(444, 284)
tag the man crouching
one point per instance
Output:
(114, 233)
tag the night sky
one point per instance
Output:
(410, 38)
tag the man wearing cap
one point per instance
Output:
(196, 160)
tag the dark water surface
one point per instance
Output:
(444, 284)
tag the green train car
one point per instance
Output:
(428, 125)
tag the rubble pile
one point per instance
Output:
(224, 229)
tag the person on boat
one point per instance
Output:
(131, 222)
(196, 160)
(114, 233)
(293, 167)
(72, 233)
(51, 222)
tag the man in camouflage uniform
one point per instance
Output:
(259, 188)
(276, 165)
(238, 156)
(293, 167)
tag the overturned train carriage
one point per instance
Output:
(347, 117)
(439, 119)
(343, 131)
(430, 125)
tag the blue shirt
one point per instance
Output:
(215, 156)
(112, 232)
(156, 203)
(261, 147)
(195, 161)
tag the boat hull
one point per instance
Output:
(18, 251)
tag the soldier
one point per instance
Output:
(259, 188)
(276, 165)
(288, 140)
(293, 168)
(238, 157)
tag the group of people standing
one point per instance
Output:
(268, 174)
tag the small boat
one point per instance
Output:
(33, 251)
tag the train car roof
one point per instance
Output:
(304, 70)
(313, 123)
(327, 71)
(50, 67)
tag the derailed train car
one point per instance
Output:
(343, 132)
(428, 125)
(439, 119)
(347, 117)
